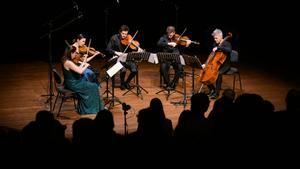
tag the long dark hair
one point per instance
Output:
(67, 53)
(79, 37)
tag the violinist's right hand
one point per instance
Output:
(86, 64)
(119, 53)
(173, 44)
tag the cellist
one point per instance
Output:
(220, 45)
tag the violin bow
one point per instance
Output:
(67, 43)
(87, 51)
(131, 41)
(182, 33)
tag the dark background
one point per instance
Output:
(265, 34)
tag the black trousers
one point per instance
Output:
(217, 87)
(165, 69)
(132, 67)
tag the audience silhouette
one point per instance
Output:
(240, 125)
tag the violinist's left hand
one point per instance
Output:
(85, 55)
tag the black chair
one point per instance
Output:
(62, 92)
(234, 70)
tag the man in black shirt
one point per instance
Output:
(221, 45)
(116, 47)
(167, 43)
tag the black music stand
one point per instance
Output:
(137, 57)
(194, 62)
(169, 57)
(110, 100)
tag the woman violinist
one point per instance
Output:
(217, 64)
(87, 54)
(89, 100)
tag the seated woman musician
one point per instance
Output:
(168, 43)
(90, 74)
(89, 101)
(116, 46)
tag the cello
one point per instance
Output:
(210, 72)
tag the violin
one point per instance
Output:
(77, 59)
(90, 51)
(133, 44)
(182, 40)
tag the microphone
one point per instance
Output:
(125, 106)
(75, 5)
(80, 15)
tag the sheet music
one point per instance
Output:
(122, 57)
(192, 61)
(114, 69)
(153, 58)
(181, 60)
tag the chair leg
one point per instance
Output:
(233, 85)
(62, 100)
(200, 90)
(58, 95)
(75, 105)
(160, 80)
(240, 82)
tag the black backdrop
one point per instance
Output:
(264, 34)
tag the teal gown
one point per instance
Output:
(89, 101)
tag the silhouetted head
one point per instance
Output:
(199, 103)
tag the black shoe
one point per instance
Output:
(172, 85)
(212, 92)
(122, 87)
(127, 86)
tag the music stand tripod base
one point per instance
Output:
(138, 92)
(169, 91)
(138, 87)
(111, 100)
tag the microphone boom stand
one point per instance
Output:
(49, 35)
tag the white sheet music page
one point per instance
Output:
(181, 60)
(122, 57)
(153, 58)
(114, 69)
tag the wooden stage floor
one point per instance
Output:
(23, 84)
